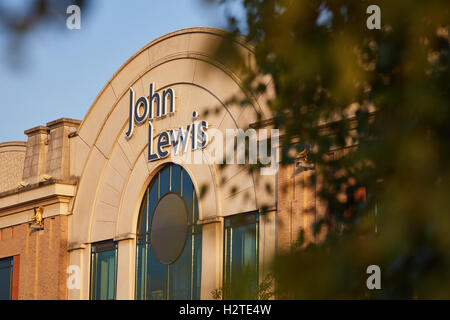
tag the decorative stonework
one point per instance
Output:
(12, 156)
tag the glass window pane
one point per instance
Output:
(5, 262)
(143, 216)
(176, 178)
(140, 272)
(227, 255)
(5, 278)
(103, 268)
(157, 278)
(164, 181)
(241, 253)
(105, 275)
(180, 274)
(153, 200)
(243, 257)
(196, 217)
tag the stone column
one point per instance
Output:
(58, 157)
(267, 243)
(212, 257)
(79, 264)
(36, 154)
(126, 270)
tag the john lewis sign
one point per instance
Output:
(159, 106)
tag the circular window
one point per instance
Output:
(169, 241)
(169, 228)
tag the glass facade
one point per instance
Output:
(6, 278)
(241, 255)
(178, 278)
(104, 270)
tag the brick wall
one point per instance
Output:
(298, 206)
(43, 258)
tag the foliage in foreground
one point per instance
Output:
(394, 85)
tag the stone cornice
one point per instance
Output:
(64, 122)
(27, 198)
(36, 130)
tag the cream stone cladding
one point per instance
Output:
(114, 172)
(12, 157)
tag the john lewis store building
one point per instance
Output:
(101, 209)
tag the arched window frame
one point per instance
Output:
(163, 182)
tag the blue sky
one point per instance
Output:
(61, 71)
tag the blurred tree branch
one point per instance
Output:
(34, 14)
(373, 105)
(37, 12)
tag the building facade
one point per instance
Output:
(129, 204)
